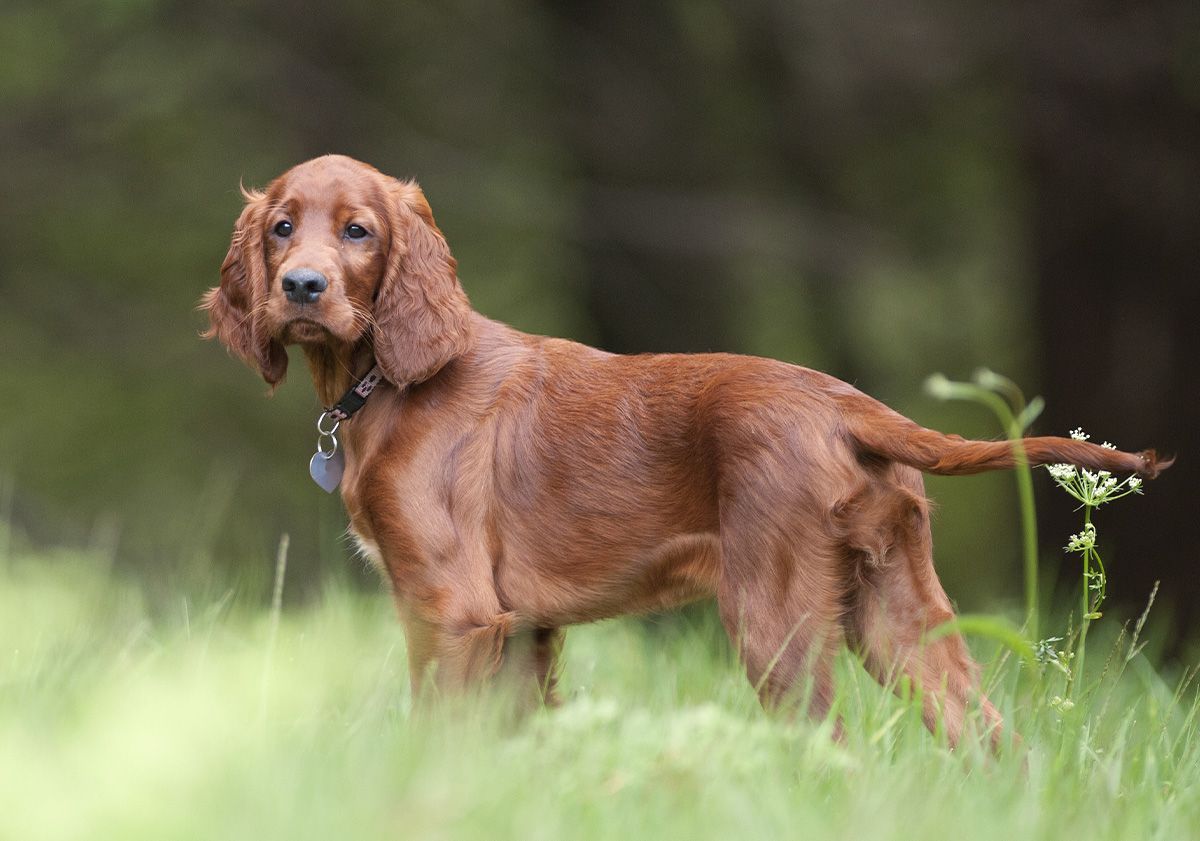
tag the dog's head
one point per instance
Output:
(335, 252)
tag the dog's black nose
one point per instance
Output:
(304, 286)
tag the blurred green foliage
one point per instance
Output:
(836, 185)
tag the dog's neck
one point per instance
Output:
(335, 367)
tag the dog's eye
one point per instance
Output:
(355, 231)
(283, 229)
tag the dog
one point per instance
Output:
(508, 485)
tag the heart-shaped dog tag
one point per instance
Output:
(327, 471)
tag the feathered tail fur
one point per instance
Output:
(878, 431)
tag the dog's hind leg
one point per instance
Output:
(900, 600)
(780, 596)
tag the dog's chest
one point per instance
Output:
(367, 549)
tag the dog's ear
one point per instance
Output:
(233, 307)
(422, 315)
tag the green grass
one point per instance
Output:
(187, 722)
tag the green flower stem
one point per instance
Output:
(1085, 612)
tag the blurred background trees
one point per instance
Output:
(876, 190)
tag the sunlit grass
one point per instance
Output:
(116, 722)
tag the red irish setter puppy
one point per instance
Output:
(508, 485)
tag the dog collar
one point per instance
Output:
(329, 462)
(356, 397)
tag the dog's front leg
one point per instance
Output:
(454, 649)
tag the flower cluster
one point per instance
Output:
(1061, 704)
(1083, 541)
(1092, 488)
(1061, 472)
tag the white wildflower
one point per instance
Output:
(1061, 472)
(1092, 488)
(1083, 541)
(1062, 705)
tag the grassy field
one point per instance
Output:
(208, 721)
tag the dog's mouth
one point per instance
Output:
(304, 331)
(318, 323)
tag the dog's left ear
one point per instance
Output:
(422, 314)
(233, 313)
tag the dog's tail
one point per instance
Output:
(876, 430)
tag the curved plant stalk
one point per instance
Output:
(1091, 489)
(1007, 403)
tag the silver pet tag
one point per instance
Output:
(326, 470)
